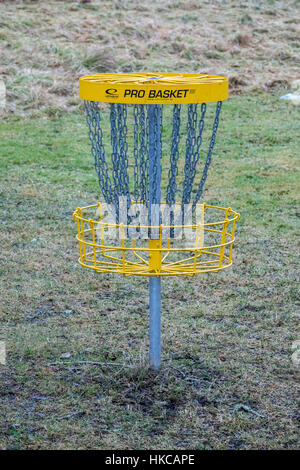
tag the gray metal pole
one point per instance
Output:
(155, 322)
(154, 135)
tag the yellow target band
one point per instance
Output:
(153, 88)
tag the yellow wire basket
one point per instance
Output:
(203, 246)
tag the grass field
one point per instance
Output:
(227, 380)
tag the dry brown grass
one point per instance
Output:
(46, 46)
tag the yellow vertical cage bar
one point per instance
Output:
(79, 240)
(232, 239)
(199, 237)
(223, 240)
(99, 207)
(82, 234)
(92, 225)
(78, 212)
(123, 247)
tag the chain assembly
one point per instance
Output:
(113, 175)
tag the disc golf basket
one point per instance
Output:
(152, 149)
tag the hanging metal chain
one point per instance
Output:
(174, 156)
(140, 154)
(173, 171)
(154, 113)
(209, 154)
(143, 138)
(118, 126)
(115, 152)
(158, 139)
(196, 155)
(136, 152)
(123, 147)
(155, 144)
(160, 130)
(190, 150)
(93, 118)
(155, 168)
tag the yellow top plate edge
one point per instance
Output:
(153, 88)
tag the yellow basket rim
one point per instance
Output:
(153, 88)
(79, 210)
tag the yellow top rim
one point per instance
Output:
(153, 88)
